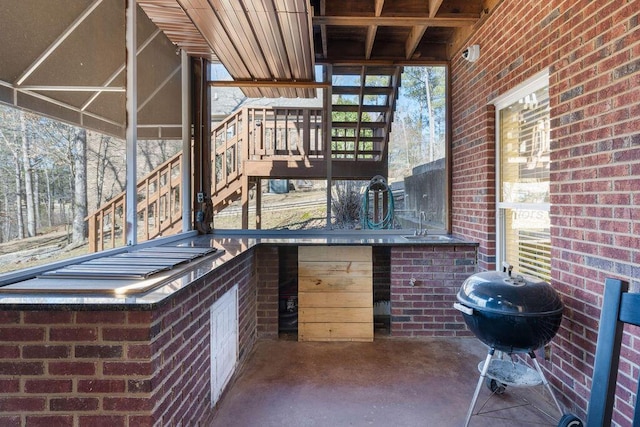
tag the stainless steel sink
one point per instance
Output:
(429, 237)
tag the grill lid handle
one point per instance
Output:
(463, 308)
(506, 267)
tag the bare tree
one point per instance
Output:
(50, 204)
(18, 180)
(80, 187)
(9, 130)
(430, 113)
(28, 176)
(106, 174)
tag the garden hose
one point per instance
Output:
(377, 184)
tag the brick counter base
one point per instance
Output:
(424, 284)
(83, 368)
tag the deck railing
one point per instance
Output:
(261, 134)
(249, 134)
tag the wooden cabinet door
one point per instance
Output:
(335, 293)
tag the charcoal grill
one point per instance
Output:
(510, 314)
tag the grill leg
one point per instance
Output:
(483, 375)
(545, 382)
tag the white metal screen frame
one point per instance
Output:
(533, 84)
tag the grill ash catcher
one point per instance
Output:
(511, 315)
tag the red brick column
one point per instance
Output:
(268, 281)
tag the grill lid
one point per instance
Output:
(496, 292)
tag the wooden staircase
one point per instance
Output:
(363, 103)
(273, 143)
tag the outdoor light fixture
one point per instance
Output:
(472, 53)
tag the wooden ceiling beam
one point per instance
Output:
(461, 35)
(369, 41)
(268, 83)
(372, 30)
(396, 21)
(218, 39)
(267, 29)
(414, 40)
(434, 6)
(323, 28)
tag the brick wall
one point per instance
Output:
(591, 50)
(267, 266)
(426, 307)
(180, 342)
(118, 368)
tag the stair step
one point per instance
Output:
(353, 138)
(363, 125)
(344, 108)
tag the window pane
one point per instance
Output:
(524, 138)
(524, 184)
(528, 242)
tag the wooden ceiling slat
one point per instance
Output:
(266, 26)
(296, 41)
(218, 40)
(172, 20)
(240, 31)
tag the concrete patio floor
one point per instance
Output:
(389, 382)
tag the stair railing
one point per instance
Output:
(159, 209)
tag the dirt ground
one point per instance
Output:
(294, 210)
(41, 249)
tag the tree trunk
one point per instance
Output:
(80, 187)
(19, 221)
(100, 167)
(28, 178)
(36, 199)
(49, 198)
(432, 125)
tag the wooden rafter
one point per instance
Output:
(395, 21)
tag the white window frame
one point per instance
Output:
(537, 82)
